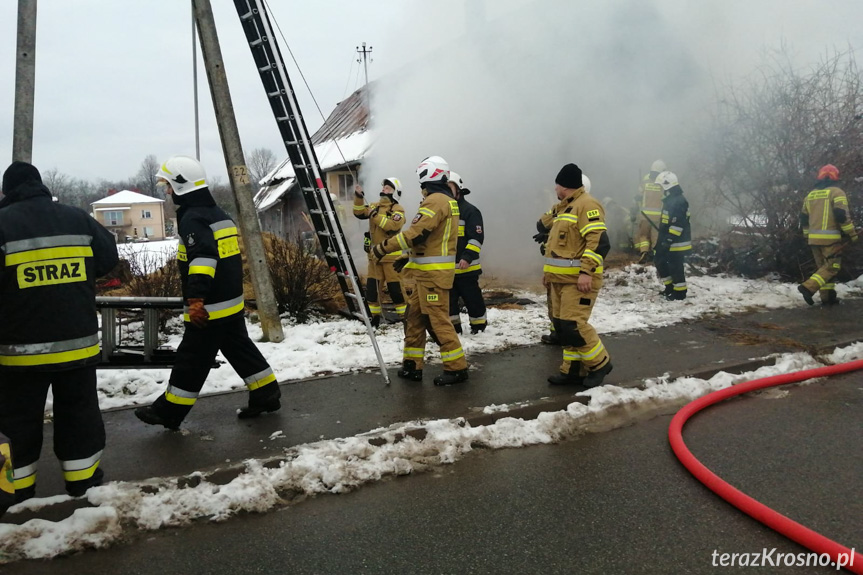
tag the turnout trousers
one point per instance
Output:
(380, 274)
(466, 287)
(828, 259)
(669, 268)
(646, 235)
(427, 312)
(79, 434)
(582, 348)
(195, 357)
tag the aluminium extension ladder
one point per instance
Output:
(301, 153)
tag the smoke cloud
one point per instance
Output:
(507, 92)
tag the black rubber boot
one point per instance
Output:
(571, 378)
(475, 329)
(676, 296)
(375, 320)
(79, 488)
(596, 377)
(807, 295)
(551, 338)
(148, 414)
(457, 327)
(451, 377)
(256, 409)
(829, 297)
(409, 371)
(669, 289)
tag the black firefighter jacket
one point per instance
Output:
(675, 234)
(470, 238)
(208, 255)
(52, 255)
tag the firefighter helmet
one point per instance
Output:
(454, 178)
(667, 180)
(585, 181)
(658, 166)
(395, 184)
(433, 169)
(828, 172)
(184, 174)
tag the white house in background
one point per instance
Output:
(340, 144)
(131, 216)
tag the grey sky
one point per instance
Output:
(114, 77)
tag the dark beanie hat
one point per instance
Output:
(19, 173)
(569, 177)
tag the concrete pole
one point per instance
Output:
(237, 171)
(25, 82)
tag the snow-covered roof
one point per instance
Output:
(127, 197)
(331, 154)
(343, 139)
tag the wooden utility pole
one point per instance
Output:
(25, 82)
(237, 171)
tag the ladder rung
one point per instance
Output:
(316, 212)
(292, 142)
(351, 295)
(247, 15)
(358, 315)
(308, 189)
(256, 43)
(325, 234)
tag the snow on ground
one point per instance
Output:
(150, 255)
(339, 465)
(628, 300)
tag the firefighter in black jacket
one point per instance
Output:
(675, 237)
(49, 332)
(211, 270)
(467, 267)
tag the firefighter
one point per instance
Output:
(675, 237)
(617, 219)
(386, 219)
(648, 210)
(468, 267)
(49, 334)
(574, 256)
(543, 225)
(825, 219)
(431, 238)
(211, 272)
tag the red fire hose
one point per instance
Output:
(804, 536)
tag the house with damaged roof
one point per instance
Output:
(340, 145)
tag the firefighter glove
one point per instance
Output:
(198, 315)
(399, 265)
(367, 242)
(378, 251)
(374, 212)
(542, 249)
(540, 238)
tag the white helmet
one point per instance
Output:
(456, 179)
(395, 184)
(185, 174)
(658, 166)
(433, 169)
(585, 181)
(667, 180)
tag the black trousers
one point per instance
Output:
(669, 267)
(79, 434)
(466, 287)
(195, 356)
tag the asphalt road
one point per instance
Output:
(614, 502)
(355, 403)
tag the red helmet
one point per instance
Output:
(828, 172)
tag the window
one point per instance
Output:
(113, 218)
(146, 215)
(346, 187)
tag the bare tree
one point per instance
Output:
(769, 138)
(260, 163)
(146, 178)
(60, 185)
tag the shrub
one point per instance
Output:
(300, 280)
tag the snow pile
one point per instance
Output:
(339, 465)
(628, 300)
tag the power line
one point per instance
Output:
(303, 76)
